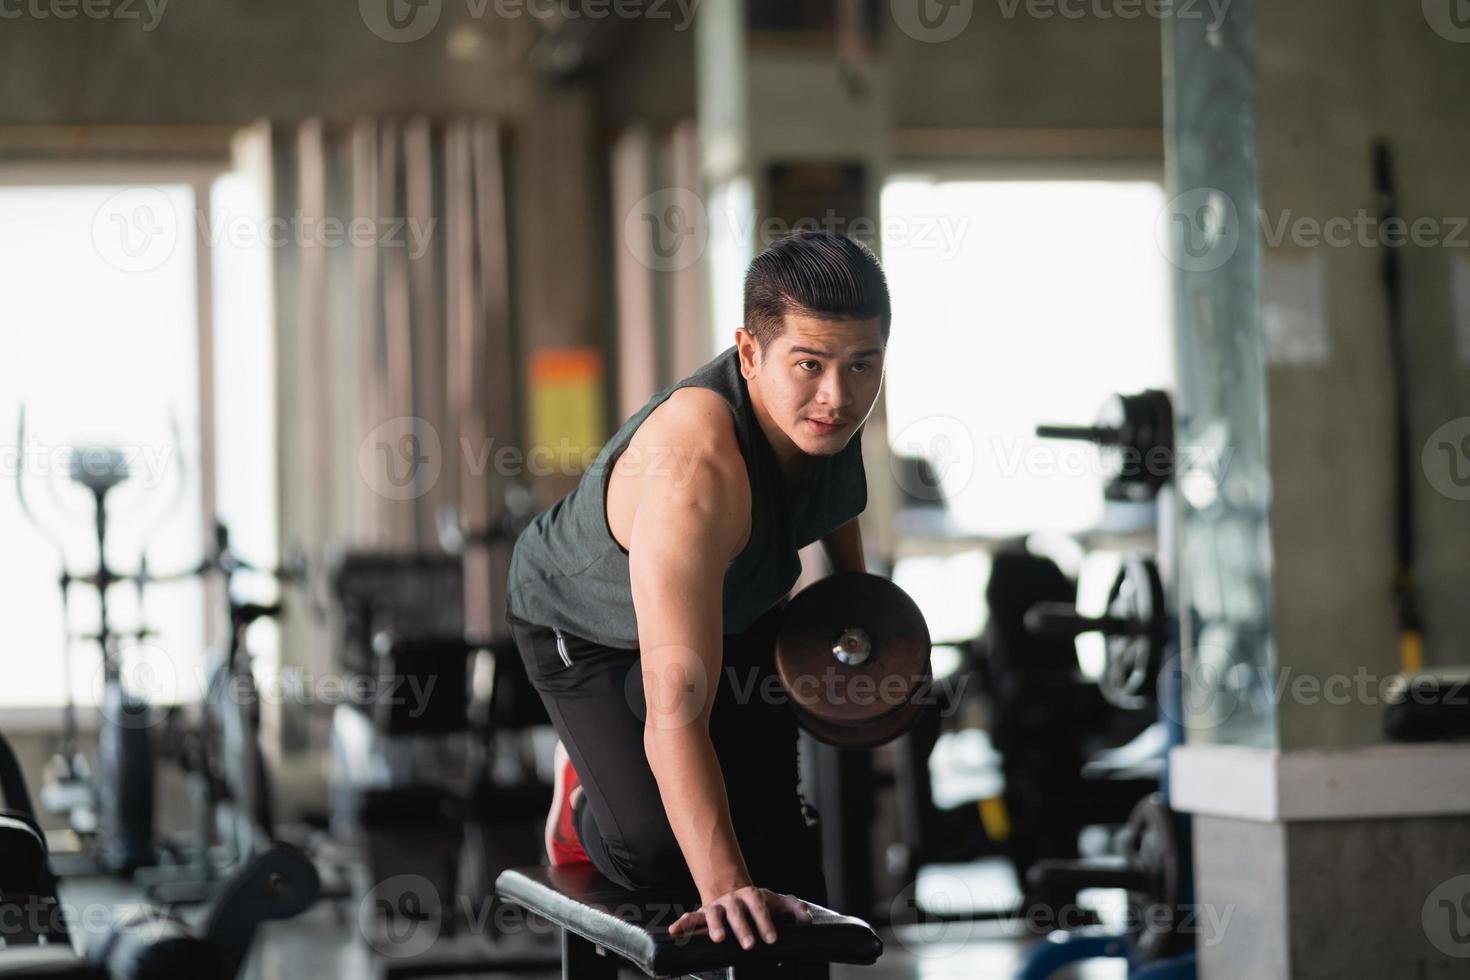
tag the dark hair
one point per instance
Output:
(818, 273)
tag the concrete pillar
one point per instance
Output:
(1319, 852)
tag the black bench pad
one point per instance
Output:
(635, 925)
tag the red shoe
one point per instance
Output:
(562, 845)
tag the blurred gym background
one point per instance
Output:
(347, 292)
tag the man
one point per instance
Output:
(645, 603)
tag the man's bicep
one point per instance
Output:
(693, 522)
(682, 540)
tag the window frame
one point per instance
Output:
(199, 174)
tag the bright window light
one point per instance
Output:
(99, 327)
(1017, 303)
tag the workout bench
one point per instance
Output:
(604, 925)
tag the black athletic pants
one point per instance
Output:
(594, 695)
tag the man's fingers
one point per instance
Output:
(762, 915)
(735, 910)
(798, 908)
(728, 914)
(714, 917)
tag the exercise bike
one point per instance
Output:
(113, 807)
(230, 786)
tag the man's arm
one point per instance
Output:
(844, 548)
(688, 525)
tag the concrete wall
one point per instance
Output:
(1332, 77)
(232, 63)
(223, 63)
(997, 71)
(1329, 899)
(1029, 69)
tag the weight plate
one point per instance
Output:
(1135, 658)
(1151, 845)
(871, 734)
(1140, 454)
(882, 663)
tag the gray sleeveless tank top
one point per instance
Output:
(567, 571)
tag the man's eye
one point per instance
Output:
(861, 366)
(803, 364)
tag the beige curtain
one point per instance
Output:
(395, 357)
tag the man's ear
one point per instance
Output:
(749, 350)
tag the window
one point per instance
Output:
(100, 327)
(1015, 303)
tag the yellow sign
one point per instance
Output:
(566, 406)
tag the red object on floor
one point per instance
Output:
(562, 845)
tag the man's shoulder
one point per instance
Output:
(692, 417)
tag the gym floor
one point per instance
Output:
(324, 942)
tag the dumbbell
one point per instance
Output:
(853, 657)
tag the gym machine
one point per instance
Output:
(112, 809)
(428, 777)
(142, 942)
(230, 786)
(1154, 867)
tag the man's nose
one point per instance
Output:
(834, 390)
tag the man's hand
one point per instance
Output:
(737, 909)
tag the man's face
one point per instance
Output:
(819, 379)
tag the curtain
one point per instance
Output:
(395, 357)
